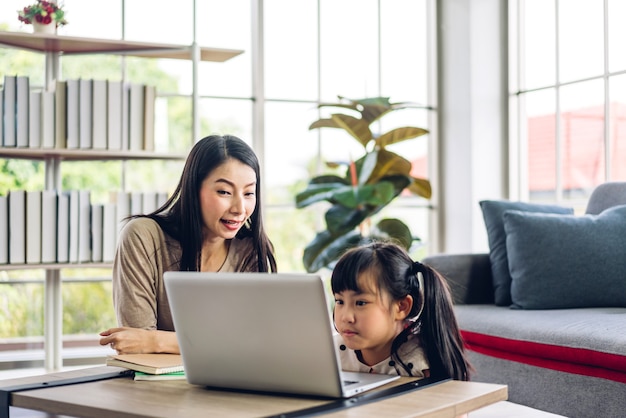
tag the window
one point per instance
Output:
(568, 95)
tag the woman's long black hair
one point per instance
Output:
(432, 315)
(181, 217)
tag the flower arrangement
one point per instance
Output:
(43, 12)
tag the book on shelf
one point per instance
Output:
(33, 227)
(10, 92)
(73, 226)
(4, 229)
(72, 113)
(109, 232)
(149, 202)
(85, 113)
(97, 213)
(60, 113)
(136, 117)
(149, 106)
(147, 363)
(84, 226)
(122, 201)
(63, 227)
(49, 204)
(99, 114)
(2, 117)
(114, 115)
(136, 203)
(21, 111)
(164, 376)
(48, 128)
(35, 119)
(125, 142)
(17, 226)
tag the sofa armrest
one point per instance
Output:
(468, 275)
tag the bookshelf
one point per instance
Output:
(54, 47)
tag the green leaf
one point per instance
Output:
(327, 248)
(390, 164)
(370, 194)
(340, 219)
(366, 166)
(393, 229)
(317, 192)
(398, 135)
(358, 128)
(421, 187)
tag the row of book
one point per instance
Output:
(77, 114)
(48, 226)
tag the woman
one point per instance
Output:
(212, 222)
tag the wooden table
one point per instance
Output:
(109, 391)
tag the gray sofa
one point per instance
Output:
(559, 343)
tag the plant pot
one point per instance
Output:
(50, 28)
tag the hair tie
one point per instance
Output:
(417, 267)
(417, 270)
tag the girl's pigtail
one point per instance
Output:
(440, 331)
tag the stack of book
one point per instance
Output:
(150, 366)
(77, 114)
(40, 227)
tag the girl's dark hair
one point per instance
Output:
(397, 274)
(181, 217)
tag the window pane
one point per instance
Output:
(82, 22)
(21, 318)
(404, 50)
(617, 34)
(582, 135)
(152, 21)
(225, 24)
(539, 123)
(581, 39)
(291, 61)
(233, 117)
(290, 230)
(349, 49)
(539, 43)
(617, 127)
(290, 150)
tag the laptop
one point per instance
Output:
(268, 332)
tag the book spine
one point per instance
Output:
(33, 227)
(49, 239)
(21, 109)
(48, 127)
(10, 92)
(99, 115)
(85, 113)
(17, 227)
(4, 229)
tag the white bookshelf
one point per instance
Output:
(54, 47)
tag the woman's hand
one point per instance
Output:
(126, 340)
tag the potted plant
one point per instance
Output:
(369, 184)
(43, 15)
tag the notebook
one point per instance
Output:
(260, 332)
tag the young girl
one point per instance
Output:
(395, 316)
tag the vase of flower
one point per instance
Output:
(44, 15)
(50, 28)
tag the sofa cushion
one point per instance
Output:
(588, 341)
(493, 211)
(567, 261)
